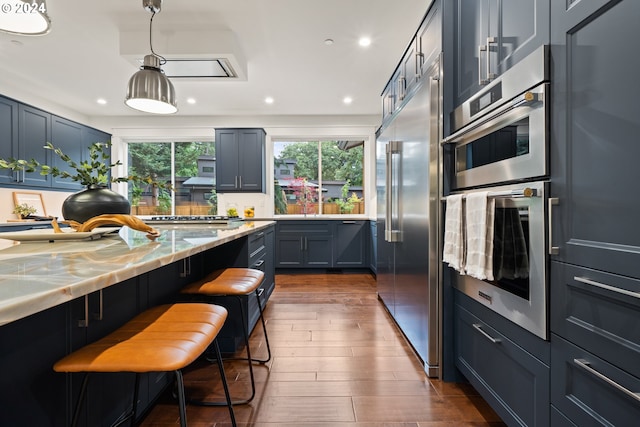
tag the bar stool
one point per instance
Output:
(162, 339)
(236, 282)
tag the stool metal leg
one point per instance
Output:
(182, 405)
(134, 407)
(227, 395)
(83, 391)
(264, 329)
(245, 330)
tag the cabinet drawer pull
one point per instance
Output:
(260, 292)
(478, 327)
(348, 222)
(586, 365)
(259, 263)
(607, 287)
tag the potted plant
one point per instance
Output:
(94, 174)
(24, 210)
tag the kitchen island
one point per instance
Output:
(56, 297)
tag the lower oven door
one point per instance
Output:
(519, 289)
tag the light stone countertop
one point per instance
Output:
(35, 276)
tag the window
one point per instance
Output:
(177, 163)
(318, 177)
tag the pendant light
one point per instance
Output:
(25, 18)
(149, 89)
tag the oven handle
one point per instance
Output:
(509, 194)
(527, 99)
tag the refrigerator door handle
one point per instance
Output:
(391, 233)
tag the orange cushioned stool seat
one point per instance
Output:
(161, 339)
(236, 282)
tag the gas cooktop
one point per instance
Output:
(194, 219)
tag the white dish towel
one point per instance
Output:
(479, 217)
(453, 250)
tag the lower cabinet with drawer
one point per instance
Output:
(508, 366)
(256, 253)
(595, 346)
(591, 391)
(322, 244)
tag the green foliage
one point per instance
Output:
(24, 210)
(136, 193)
(150, 158)
(164, 201)
(346, 204)
(213, 202)
(279, 199)
(92, 172)
(337, 165)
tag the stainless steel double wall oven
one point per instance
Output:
(500, 145)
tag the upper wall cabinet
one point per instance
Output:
(8, 137)
(34, 130)
(490, 36)
(74, 140)
(24, 130)
(424, 47)
(240, 159)
(595, 135)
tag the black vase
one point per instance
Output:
(93, 201)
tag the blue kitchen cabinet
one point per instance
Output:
(34, 131)
(32, 394)
(67, 136)
(74, 139)
(373, 246)
(304, 244)
(92, 317)
(240, 159)
(322, 244)
(415, 62)
(350, 240)
(8, 137)
(489, 37)
(506, 364)
(595, 345)
(594, 132)
(594, 284)
(24, 131)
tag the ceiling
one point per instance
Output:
(282, 42)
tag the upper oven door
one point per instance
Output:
(509, 144)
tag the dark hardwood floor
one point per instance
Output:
(338, 361)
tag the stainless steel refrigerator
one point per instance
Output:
(408, 211)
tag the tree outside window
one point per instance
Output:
(191, 174)
(317, 177)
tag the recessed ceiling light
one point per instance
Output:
(191, 100)
(328, 42)
(347, 100)
(101, 101)
(364, 41)
(268, 100)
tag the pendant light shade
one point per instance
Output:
(149, 89)
(25, 17)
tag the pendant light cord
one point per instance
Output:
(162, 58)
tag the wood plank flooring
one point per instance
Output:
(338, 361)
